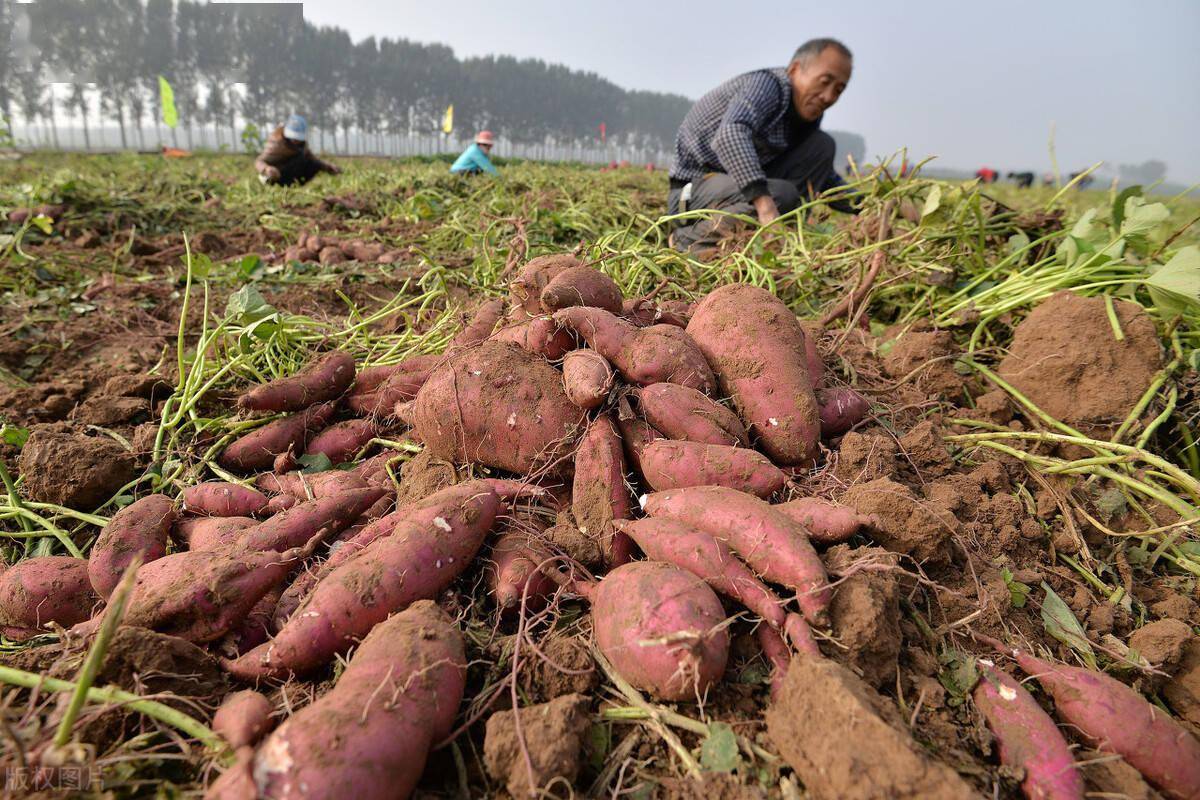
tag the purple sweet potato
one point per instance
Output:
(377, 389)
(417, 561)
(223, 499)
(304, 485)
(587, 378)
(500, 406)
(644, 313)
(599, 494)
(140, 529)
(368, 737)
(662, 629)
(669, 464)
(1116, 719)
(256, 451)
(636, 433)
(211, 533)
(37, 591)
(582, 286)
(540, 336)
(757, 349)
(482, 323)
(773, 544)
(512, 573)
(243, 718)
(1029, 740)
(683, 413)
(826, 523)
(526, 289)
(342, 441)
(325, 378)
(326, 516)
(643, 356)
(840, 410)
(280, 502)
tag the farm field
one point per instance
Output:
(1023, 474)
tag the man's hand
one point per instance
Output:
(768, 212)
(334, 169)
(272, 173)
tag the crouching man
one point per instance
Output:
(286, 159)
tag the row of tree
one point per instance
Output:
(258, 62)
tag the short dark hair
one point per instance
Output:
(814, 47)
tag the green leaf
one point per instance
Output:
(14, 436)
(1018, 592)
(1118, 206)
(316, 462)
(1142, 217)
(597, 744)
(932, 201)
(248, 266)
(247, 306)
(719, 752)
(1062, 625)
(166, 99)
(958, 674)
(43, 224)
(1176, 285)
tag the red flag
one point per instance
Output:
(603, 131)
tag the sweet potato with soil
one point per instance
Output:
(757, 349)
(368, 737)
(668, 464)
(513, 572)
(599, 494)
(1028, 738)
(45, 589)
(1116, 719)
(482, 323)
(243, 718)
(539, 335)
(773, 544)
(582, 286)
(643, 356)
(211, 533)
(256, 450)
(322, 517)
(526, 290)
(644, 313)
(280, 502)
(376, 386)
(325, 378)
(304, 485)
(253, 629)
(711, 560)
(497, 405)
(223, 499)
(683, 413)
(840, 410)
(587, 378)
(417, 561)
(141, 529)
(342, 441)
(826, 523)
(662, 629)
(635, 435)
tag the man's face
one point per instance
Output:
(487, 148)
(818, 84)
(295, 144)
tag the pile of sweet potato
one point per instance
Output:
(313, 247)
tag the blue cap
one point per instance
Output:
(296, 128)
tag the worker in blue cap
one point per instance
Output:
(286, 159)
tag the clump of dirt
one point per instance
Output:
(106, 412)
(553, 734)
(422, 475)
(1108, 775)
(924, 358)
(925, 451)
(568, 667)
(565, 536)
(711, 786)
(1161, 642)
(73, 470)
(1182, 691)
(865, 457)
(821, 698)
(143, 660)
(1065, 357)
(903, 522)
(866, 612)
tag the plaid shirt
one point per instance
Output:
(737, 127)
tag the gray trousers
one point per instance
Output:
(800, 173)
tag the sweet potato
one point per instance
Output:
(342, 441)
(757, 349)
(526, 291)
(683, 413)
(1116, 719)
(1028, 738)
(587, 378)
(826, 523)
(253, 629)
(840, 410)
(211, 533)
(661, 627)
(243, 718)
(377, 389)
(223, 499)
(582, 286)
(417, 561)
(325, 378)
(512, 573)
(482, 323)
(812, 356)
(635, 435)
(644, 313)
(776, 651)
(37, 591)
(774, 545)
(710, 560)
(599, 494)
(304, 485)
(368, 737)
(140, 529)
(540, 336)
(657, 354)
(326, 516)
(669, 464)
(256, 450)
(280, 502)
(497, 405)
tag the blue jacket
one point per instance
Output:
(473, 159)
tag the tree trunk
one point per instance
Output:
(53, 121)
(87, 139)
(121, 124)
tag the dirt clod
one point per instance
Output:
(73, 470)
(865, 457)
(553, 734)
(904, 523)
(1162, 642)
(1182, 691)
(572, 670)
(866, 615)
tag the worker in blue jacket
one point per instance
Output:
(474, 159)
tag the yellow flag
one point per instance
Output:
(448, 119)
(166, 98)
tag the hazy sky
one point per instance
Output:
(973, 83)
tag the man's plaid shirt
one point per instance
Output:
(737, 127)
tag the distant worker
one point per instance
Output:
(1023, 179)
(987, 175)
(474, 160)
(754, 144)
(286, 159)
